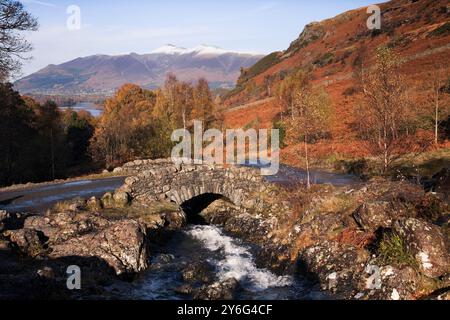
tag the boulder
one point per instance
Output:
(94, 204)
(221, 290)
(122, 244)
(185, 289)
(174, 220)
(394, 283)
(118, 170)
(28, 241)
(77, 204)
(427, 243)
(121, 199)
(337, 267)
(108, 200)
(60, 227)
(373, 215)
(198, 272)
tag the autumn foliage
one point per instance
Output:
(138, 123)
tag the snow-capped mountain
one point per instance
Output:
(104, 73)
(199, 50)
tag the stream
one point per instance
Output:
(228, 257)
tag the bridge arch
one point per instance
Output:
(162, 180)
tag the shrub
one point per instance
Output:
(350, 91)
(392, 250)
(324, 60)
(358, 167)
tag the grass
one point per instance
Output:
(147, 213)
(66, 205)
(442, 30)
(93, 176)
(260, 66)
(426, 164)
(392, 250)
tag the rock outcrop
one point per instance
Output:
(121, 243)
(427, 243)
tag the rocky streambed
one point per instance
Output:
(377, 240)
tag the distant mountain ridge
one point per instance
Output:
(103, 74)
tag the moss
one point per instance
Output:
(392, 250)
(136, 211)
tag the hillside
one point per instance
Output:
(103, 74)
(335, 51)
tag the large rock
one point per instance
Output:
(400, 200)
(337, 267)
(202, 272)
(94, 204)
(427, 242)
(394, 283)
(60, 227)
(28, 241)
(121, 243)
(108, 200)
(374, 215)
(121, 199)
(221, 290)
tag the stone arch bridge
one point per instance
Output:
(162, 180)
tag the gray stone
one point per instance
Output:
(427, 242)
(94, 204)
(108, 200)
(121, 199)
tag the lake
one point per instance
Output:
(90, 107)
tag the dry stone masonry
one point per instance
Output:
(162, 180)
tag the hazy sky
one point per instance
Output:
(116, 27)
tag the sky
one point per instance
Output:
(141, 26)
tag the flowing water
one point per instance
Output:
(229, 257)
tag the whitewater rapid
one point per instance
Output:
(236, 260)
